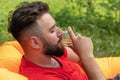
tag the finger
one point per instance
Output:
(71, 33)
(77, 34)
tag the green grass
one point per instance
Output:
(6, 6)
(97, 21)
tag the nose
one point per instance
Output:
(60, 32)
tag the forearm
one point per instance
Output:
(92, 69)
(83, 46)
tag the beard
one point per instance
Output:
(53, 49)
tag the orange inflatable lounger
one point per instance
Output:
(10, 56)
(9, 75)
(11, 53)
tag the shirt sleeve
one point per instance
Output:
(65, 53)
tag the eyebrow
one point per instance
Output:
(52, 27)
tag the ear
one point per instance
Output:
(35, 42)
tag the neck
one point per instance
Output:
(43, 60)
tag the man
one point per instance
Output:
(45, 57)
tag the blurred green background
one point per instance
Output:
(98, 19)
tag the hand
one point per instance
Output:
(84, 48)
(82, 45)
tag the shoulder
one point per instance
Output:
(72, 55)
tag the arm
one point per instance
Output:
(84, 48)
(72, 56)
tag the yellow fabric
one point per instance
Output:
(8, 75)
(11, 53)
(14, 44)
(10, 57)
(110, 66)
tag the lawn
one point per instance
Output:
(99, 20)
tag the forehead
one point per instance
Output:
(46, 21)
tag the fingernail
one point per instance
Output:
(69, 28)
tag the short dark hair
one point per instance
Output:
(25, 16)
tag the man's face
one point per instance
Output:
(51, 36)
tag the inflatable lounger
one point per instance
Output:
(11, 53)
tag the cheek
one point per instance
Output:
(53, 38)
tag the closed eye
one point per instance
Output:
(52, 29)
